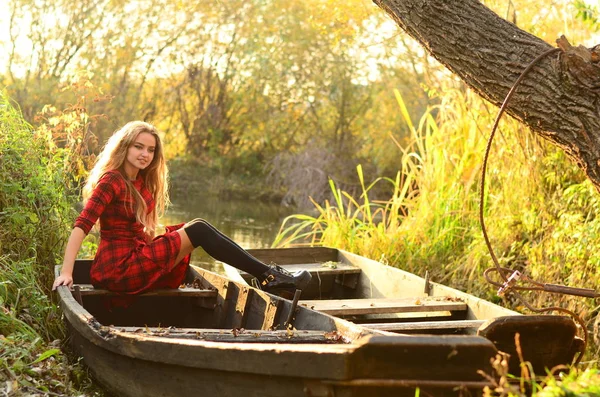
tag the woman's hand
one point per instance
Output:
(63, 279)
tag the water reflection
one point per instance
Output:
(251, 224)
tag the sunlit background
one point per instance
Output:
(320, 110)
(276, 95)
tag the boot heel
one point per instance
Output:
(303, 280)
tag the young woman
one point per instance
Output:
(127, 191)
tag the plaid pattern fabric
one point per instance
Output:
(125, 261)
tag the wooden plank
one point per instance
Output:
(81, 271)
(440, 357)
(343, 307)
(325, 268)
(381, 281)
(423, 326)
(89, 290)
(328, 268)
(348, 280)
(227, 293)
(286, 256)
(258, 308)
(242, 306)
(545, 341)
(324, 277)
(234, 335)
(271, 314)
(77, 294)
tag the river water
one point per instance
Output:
(251, 224)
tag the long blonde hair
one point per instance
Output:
(112, 157)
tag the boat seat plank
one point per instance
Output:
(285, 256)
(327, 268)
(331, 268)
(427, 325)
(89, 290)
(235, 335)
(342, 307)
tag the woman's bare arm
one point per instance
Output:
(73, 246)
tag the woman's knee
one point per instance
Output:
(198, 230)
(194, 221)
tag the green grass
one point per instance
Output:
(570, 383)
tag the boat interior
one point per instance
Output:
(376, 296)
(210, 307)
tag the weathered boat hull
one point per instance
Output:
(320, 355)
(218, 337)
(122, 375)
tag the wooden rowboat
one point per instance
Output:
(219, 337)
(384, 298)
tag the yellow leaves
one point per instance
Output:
(338, 21)
(332, 13)
(48, 109)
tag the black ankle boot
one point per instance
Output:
(279, 281)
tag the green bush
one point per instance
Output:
(36, 212)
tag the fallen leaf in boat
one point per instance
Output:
(237, 331)
(453, 299)
(330, 264)
(452, 353)
(333, 336)
(418, 302)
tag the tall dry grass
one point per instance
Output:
(541, 213)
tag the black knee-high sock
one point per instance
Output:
(222, 248)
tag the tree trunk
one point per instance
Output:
(559, 98)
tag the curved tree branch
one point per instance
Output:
(559, 99)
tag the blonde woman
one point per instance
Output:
(127, 191)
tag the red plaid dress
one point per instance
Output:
(125, 261)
